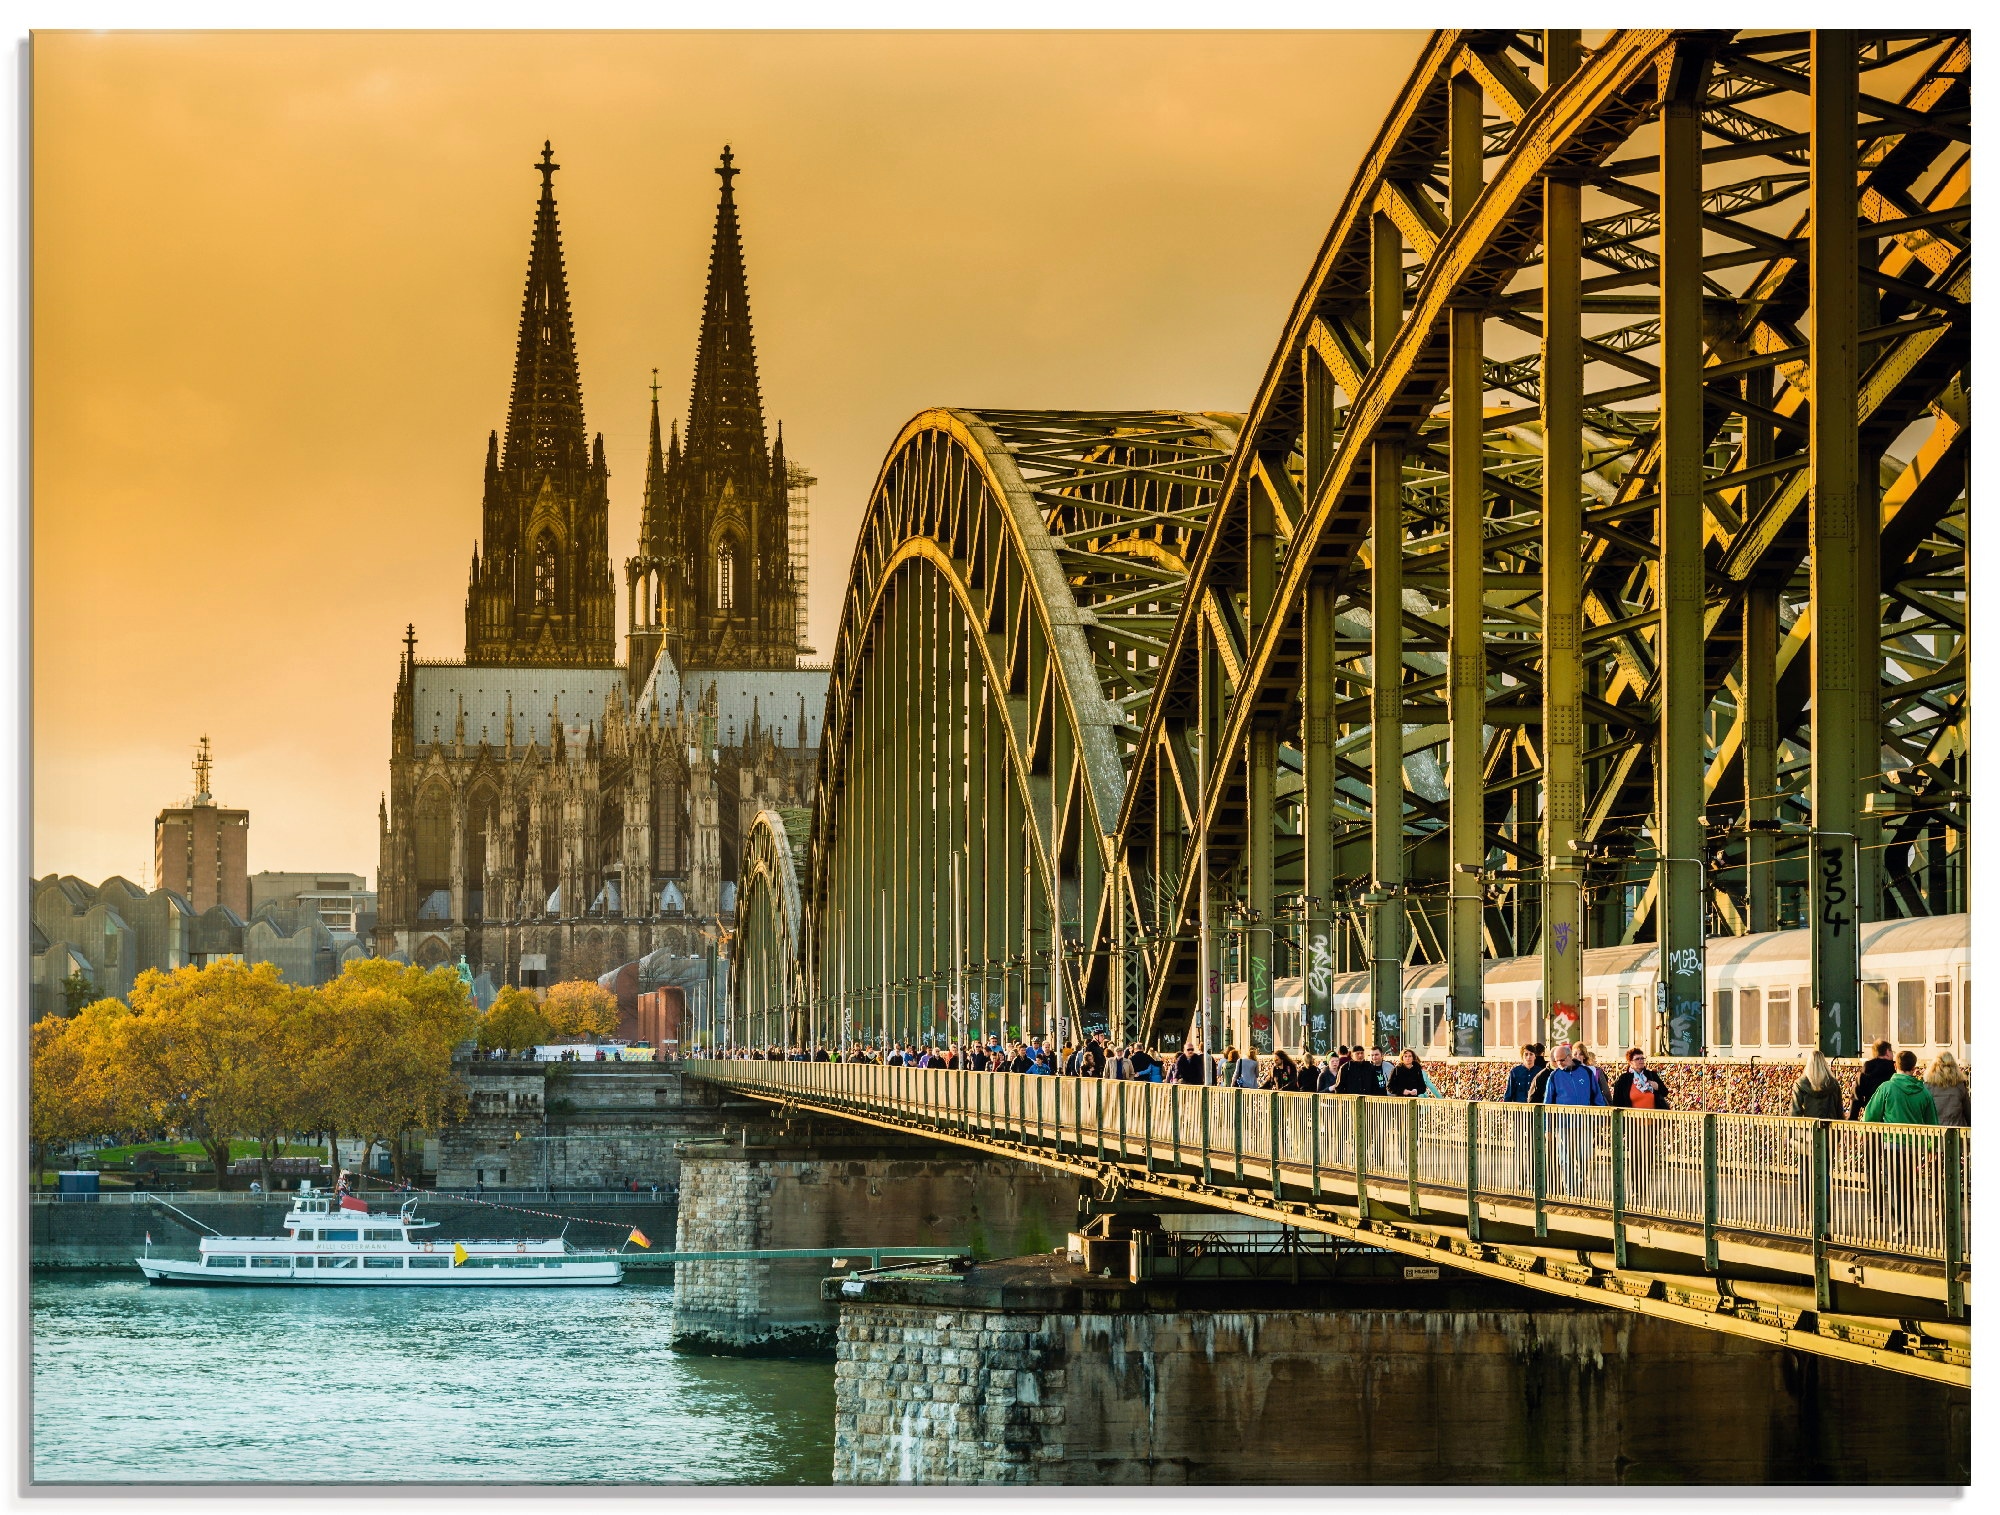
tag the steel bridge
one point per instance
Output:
(1589, 568)
(1622, 422)
(1836, 1238)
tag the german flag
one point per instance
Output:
(638, 1238)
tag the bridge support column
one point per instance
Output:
(846, 1189)
(1033, 1372)
(1844, 558)
(1681, 876)
(1465, 690)
(1562, 581)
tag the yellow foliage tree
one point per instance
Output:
(202, 1055)
(388, 1031)
(514, 1023)
(70, 1096)
(581, 1008)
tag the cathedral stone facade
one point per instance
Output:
(551, 812)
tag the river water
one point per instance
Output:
(139, 1384)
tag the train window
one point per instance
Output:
(1909, 1011)
(1941, 1011)
(1603, 1020)
(1725, 1017)
(1486, 1023)
(1777, 1015)
(1624, 1018)
(1874, 1013)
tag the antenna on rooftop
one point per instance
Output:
(202, 764)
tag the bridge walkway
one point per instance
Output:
(1846, 1240)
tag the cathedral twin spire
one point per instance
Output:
(714, 574)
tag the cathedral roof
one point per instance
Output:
(578, 694)
(772, 699)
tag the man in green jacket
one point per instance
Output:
(1903, 1101)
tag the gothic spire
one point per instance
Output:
(656, 474)
(726, 411)
(545, 415)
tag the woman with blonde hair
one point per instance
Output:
(1582, 1054)
(1949, 1091)
(1817, 1095)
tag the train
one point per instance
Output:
(1916, 991)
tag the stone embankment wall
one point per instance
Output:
(580, 1125)
(824, 1194)
(111, 1233)
(928, 1391)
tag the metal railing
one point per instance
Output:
(1900, 1191)
(379, 1200)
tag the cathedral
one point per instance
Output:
(554, 812)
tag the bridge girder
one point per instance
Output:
(1015, 574)
(1616, 240)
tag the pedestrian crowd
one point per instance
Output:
(1891, 1088)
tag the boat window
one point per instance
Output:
(302, 1262)
(430, 1262)
(1909, 1012)
(270, 1262)
(339, 1262)
(553, 1262)
(1874, 1013)
(381, 1262)
(339, 1235)
(383, 1236)
(1779, 1016)
(223, 1262)
(521, 1262)
(1941, 1011)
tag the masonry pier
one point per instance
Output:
(811, 1184)
(1033, 1371)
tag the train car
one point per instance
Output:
(1916, 991)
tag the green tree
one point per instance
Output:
(514, 1023)
(77, 991)
(582, 1008)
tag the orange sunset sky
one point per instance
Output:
(277, 276)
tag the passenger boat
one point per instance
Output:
(331, 1242)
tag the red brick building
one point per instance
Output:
(202, 851)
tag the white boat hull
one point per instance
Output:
(594, 1273)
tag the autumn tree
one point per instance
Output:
(582, 1008)
(70, 1092)
(202, 1053)
(514, 1023)
(390, 1030)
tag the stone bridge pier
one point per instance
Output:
(827, 1184)
(1033, 1371)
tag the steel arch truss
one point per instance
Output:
(1634, 379)
(770, 984)
(1014, 584)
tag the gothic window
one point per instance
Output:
(434, 839)
(725, 577)
(545, 572)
